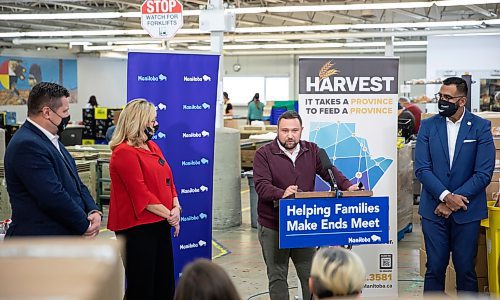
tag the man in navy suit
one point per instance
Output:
(46, 193)
(454, 160)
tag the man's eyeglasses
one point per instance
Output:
(440, 96)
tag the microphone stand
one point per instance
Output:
(333, 184)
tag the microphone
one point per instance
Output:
(327, 165)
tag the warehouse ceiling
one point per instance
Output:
(262, 26)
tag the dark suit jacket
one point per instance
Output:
(473, 164)
(46, 193)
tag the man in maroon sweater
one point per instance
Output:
(283, 167)
(415, 110)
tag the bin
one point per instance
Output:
(492, 225)
(253, 198)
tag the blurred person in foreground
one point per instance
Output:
(336, 273)
(205, 280)
(281, 168)
(454, 161)
(143, 204)
(46, 193)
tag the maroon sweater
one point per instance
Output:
(273, 172)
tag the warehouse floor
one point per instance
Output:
(238, 251)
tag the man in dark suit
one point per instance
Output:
(46, 193)
(454, 160)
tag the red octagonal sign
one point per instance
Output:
(161, 18)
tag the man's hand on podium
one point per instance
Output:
(291, 190)
(353, 187)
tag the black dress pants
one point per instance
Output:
(149, 263)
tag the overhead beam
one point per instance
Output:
(481, 10)
(411, 14)
(285, 18)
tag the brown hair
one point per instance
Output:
(204, 280)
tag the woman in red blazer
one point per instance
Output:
(143, 204)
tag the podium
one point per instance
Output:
(327, 194)
(311, 219)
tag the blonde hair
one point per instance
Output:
(337, 272)
(132, 123)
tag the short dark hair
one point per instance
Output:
(290, 114)
(205, 280)
(459, 83)
(45, 94)
(225, 95)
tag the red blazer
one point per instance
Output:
(138, 178)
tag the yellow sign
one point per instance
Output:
(100, 113)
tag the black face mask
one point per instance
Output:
(446, 108)
(151, 131)
(62, 125)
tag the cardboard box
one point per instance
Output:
(450, 285)
(61, 268)
(496, 140)
(496, 174)
(423, 260)
(491, 191)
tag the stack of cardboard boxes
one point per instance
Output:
(493, 188)
(481, 267)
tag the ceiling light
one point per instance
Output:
(310, 45)
(254, 10)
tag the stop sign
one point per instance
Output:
(161, 18)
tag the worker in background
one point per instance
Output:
(454, 161)
(285, 166)
(45, 190)
(406, 123)
(255, 109)
(111, 130)
(92, 102)
(228, 107)
(415, 110)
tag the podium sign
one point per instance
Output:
(333, 221)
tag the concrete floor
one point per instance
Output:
(238, 251)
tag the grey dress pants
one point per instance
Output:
(277, 261)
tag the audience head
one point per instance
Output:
(205, 280)
(336, 272)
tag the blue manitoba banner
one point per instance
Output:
(183, 88)
(333, 221)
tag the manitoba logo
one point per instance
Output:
(152, 78)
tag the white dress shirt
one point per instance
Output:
(452, 131)
(54, 139)
(293, 155)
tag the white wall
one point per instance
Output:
(478, 55)
(106, 78)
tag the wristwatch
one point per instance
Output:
(180, 208)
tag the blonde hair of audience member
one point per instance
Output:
(205, 280)
(336, 272)
(132, 123)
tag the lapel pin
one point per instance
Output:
(469, 123)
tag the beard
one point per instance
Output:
(289, 144)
